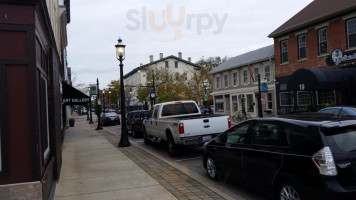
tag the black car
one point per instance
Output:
(110, 118)
(134, 121)
(287, 158)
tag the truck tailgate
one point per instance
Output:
(205, 125)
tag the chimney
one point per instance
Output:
(160, 55)
(189, 59)
(180, 55)
(141, 64)
(151, 58)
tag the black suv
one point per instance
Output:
(134, 122)
(288, 158)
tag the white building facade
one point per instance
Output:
(174, 65)
(235, 83)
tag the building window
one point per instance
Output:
(44, 117)
(245, 76)
(326, 97)
(256, 72)
(284, 51)
(176, 64)
(226, 80)
(286, 99)
(167, 64)
(323, 41)
(217, 82)
(302, 49)
(351, 33)
(185, 75)
(234, 78)
(268, 73)
(303, 98)
(269, 101)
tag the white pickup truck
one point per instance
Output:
(181, 123)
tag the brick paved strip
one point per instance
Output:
(176, 182)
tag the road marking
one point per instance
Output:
(188, 159)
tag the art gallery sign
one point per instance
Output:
(72, 96)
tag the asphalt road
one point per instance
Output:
(190, 160)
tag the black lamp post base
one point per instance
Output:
(100, 127)
(91, 122)
(124, 143)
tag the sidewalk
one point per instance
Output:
(95, 168)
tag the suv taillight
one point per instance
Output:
(229, 122)
(324, 160)
(181, 128)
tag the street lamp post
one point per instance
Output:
(99, 127)
(120, 55)
(90, 108)
(104, 100)
(205, 84)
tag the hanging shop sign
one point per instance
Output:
(339, 57)
(264, 86)
(92, 89)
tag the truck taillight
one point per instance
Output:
(181, 128)
(324, 160)
(229, 122)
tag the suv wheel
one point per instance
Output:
(211, 168)
(289, 191)
(172, 147)
(145, 137)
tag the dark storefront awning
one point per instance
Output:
(321, 79)
(72, 96)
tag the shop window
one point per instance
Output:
(269, 101)
(44, 117)
(250, 104)
(351, 33)
(226, 80)
(303, 98)
(323, 41)
(234, 103)
(234, 78)
(326, 97)
(284, 51)
(227, 104)
(268, 73)
(256, 71)
(245, 77)
(302, 49)
(219, 104)
(286, 99)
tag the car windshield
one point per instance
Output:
(342, 139)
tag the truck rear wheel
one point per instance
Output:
(172, 147)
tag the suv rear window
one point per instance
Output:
(342, 139)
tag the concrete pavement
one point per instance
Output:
(95, 168)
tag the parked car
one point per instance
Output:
(180, 123)
(84, 111)
(339, 111)
(110, 118)
(134, 121)
(287, 158)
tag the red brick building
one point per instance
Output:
(32, 68)
(315, 54)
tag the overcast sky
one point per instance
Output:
(195, 28)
